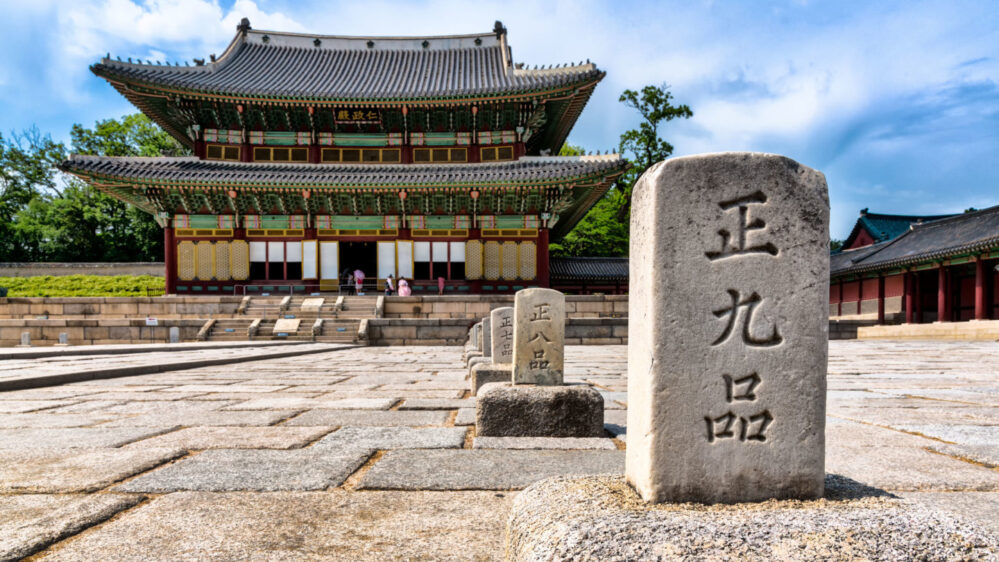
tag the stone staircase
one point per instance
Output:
(339, 325)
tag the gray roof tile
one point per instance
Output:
(268, 63)
(190, 169)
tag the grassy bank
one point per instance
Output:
(83, 286)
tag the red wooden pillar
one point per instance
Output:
(860, 294)
(979, 288)
(170, 259)
(544, 278)
(910, 301)
(881, 299)
(839, 305)
(943, 310)
(917, 290)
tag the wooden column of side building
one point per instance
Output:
(881, 299)
(860, 295)
(943, 310)
(910, 304)
(169, 260)
(839, 303)
(979, 288)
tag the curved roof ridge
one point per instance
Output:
(946, 219)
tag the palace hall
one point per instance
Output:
(424, 158)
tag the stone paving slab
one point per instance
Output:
(192, 418)
(483, 469)
(909, 469)
(980, 507)
(75, 470)
(22, 406)
(466, 416)
(337, 525)
(258, 470)
(987, 455)
(76, 437)
(235, 437)
(369, 418)
(39, 421)
(308, 403)
(31, 522)
(974, 435)
(382, 438)
(543, 443)
(436, 404)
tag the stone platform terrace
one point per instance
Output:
(368, 453)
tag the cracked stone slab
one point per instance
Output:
(382, 438)
(260, 470)
(603, 518)
(334, 524)
(543, 443)
(31, 522)
(22, 406)
(247, 437)
(77, 437)
(975, 435)
(370, 418)
(464, 469)
(75, 470)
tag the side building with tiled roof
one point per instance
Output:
(939, 269)
(315, 155)
(872, 228)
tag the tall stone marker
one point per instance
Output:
(487, 337)
(174, 334)
(538, 337)
(501, 323)
(728, 330)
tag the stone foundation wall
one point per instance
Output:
(13, 269)
(454, 331)
(117, 307)
(96, 331)
(847, 329)
(477, 306)
(973, 330)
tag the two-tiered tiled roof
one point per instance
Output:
(336, 68)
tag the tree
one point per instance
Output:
(643, 146)
(27, 174)
(835, 245)
(600, 233)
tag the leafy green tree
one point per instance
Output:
(643, 146)
(27, 174)
(835, 245)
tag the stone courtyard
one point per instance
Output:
(370, 453)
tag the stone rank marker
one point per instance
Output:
(538, 337)
(501, 322)
(728, 330)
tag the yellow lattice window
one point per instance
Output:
(528, 260)
(222, 261)
(492, 261)
(496, 153)
(426, 155)
(239, 260)
(206, 257)
(510, 260)
(222, 152)
(280, 154)
(370, 155)
(473, 259)
(186, 261)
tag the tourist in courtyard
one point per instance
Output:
(440, 285)
(404, 290)
(348, 282)
(359, 281)
(389, 285)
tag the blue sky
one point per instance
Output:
(896, 102)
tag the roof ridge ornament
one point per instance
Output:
(244, 26)
(498, 29)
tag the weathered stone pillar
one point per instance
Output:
(501, 322)
(728, 330)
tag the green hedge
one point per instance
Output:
(83, 286)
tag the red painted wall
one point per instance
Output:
(894, 286)
(851, 290)
(863, 239)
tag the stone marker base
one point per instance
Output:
(602, 518)
(473, 361)
(485, 373)
(471, 355)
(507, 410)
